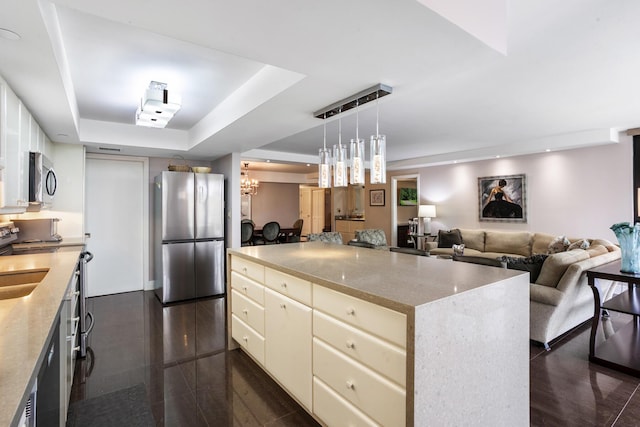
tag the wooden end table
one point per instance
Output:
(620, 350)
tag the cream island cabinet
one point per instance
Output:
(365, 338)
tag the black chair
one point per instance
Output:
(270, 233)
(293, 236)
(246, 233)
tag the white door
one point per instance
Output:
(114, 217)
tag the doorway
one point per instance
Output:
(117, 218)
(401, 214)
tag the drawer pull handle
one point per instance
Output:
(76, 293)
(244, 288)
(244, 270)
(351, 344)
(284, 285)
(245, 338)
(351, 385)
(245, 311)
(351, 311)
(283, 306)
(76, 349)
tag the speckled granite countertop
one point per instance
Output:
(398, 281)
(27, 325)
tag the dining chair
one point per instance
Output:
(270, 233)
(246, 233)
(294, 235)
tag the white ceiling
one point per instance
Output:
(251, 73)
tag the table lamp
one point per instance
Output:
(427, 212)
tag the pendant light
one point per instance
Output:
(340, 159)
(378, 174)
(324, 166)
(356, 151)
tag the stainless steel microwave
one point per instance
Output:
(42, 181)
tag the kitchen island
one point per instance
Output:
(364, 337)
(28, 324)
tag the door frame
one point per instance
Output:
(148, 285)
(394, 202)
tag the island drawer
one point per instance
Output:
(249, 340)
(247, 287)
(381, 321)
(248, 268)
(379, 355)
(334, 410)
(370, 392)
(250, 312)
(293, 287)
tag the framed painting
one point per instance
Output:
(502, 198)
(376, 197)
(408, 197)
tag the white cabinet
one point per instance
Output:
(247, 307)
(359, 360)
(69, 322)
(288, 344)
(19, 134)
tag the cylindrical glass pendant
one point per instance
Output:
(378, 161)
(324, 168)
(340, 166)
(356, 174)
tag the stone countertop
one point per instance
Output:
(27, 325)
(65, 242)
(398, 281)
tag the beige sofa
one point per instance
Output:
(560, 297)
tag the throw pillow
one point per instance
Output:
(579, 244)
(458, 249)
(557, 245)
(446, 239)
(532, 264)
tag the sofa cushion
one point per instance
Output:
(559, 244)
(532, 264)
(607, 244)
(473, 239)
(595, 250)
(446, 239)
(508, 242)
(579, 244)
(556, 264)
(540, 244)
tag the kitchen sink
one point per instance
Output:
(16, 284)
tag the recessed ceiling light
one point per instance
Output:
(498, 156)
(9, 35)
(308, 164)
(268, 160)
(547, 150)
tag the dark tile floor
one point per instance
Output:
(178, 352)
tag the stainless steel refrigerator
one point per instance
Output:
(189, 235)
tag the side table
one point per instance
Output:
(621, 349)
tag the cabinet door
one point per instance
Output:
(288, 344)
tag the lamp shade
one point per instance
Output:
(427, 211)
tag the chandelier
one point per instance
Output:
(340, 160)
(248, 187)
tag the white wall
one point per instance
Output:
(230, 166)
(580, 192)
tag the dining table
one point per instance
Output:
(284, 232)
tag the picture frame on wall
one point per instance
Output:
(502, 198)
(376, 197)
(408, 197)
